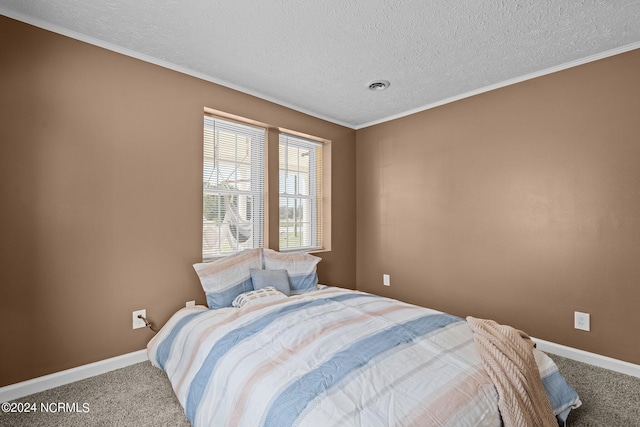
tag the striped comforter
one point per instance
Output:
(331, 357)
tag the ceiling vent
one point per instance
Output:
(379, 85)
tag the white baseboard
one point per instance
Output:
(36, 385)
(590, 358)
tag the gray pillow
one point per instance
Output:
(279, 279)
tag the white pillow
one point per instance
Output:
(224, 279)
(259, 296)
(300, 266)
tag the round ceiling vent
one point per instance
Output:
(379, 85)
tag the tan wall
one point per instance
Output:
(100, 192)
(520, 204)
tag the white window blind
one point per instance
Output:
(233, 187)
(300, 193)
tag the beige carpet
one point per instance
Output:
(608, 398)
(138, 395)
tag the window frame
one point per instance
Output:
(271, 199)
(257, 179)
(314, 196)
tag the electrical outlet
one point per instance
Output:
(386, 280)
(191, 304)
(137, 322)
(582, 321)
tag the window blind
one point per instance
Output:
(233, 187)
(300, 192)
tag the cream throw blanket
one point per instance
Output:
(507, 356)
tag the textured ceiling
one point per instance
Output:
(319, 56)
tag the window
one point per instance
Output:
(300, 175)
(233, 187)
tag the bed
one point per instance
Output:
(325, 356)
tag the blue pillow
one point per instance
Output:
(279, 279)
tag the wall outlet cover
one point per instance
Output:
(139, 323)
(582, 321)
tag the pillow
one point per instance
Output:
(259, 296)
(562, 397)
(279, 279)
(224, 279)
(300, 266)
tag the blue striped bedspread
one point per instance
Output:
(332, 357)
